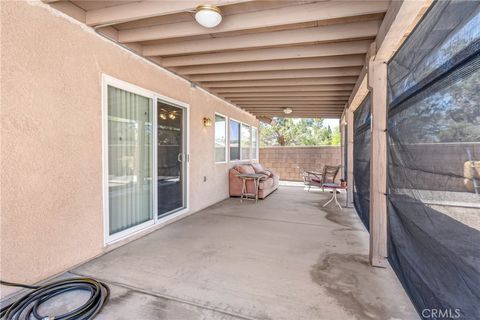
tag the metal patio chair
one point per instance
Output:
(318, 179)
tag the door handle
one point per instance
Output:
(180, 157)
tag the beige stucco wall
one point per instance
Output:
(51, 145)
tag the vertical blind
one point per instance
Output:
(129, 159)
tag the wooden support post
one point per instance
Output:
(350, 132)
(401, 18)
(377, 82)
(343, 147)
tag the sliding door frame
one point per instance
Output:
(155, 221)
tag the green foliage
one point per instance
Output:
(298, 132)
(450, 114)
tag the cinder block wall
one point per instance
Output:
(290, 162)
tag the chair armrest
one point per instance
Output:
(317, 175)
(264, 177)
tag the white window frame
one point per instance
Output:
(251, 141)
(227, 139)
(239, 141)
(250, 144)
(155, 222)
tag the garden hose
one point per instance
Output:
(27, 306)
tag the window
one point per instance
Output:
(234, 140)
(246, 141)
(254, 149)
(220, 138)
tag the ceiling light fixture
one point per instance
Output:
(287, 110)
(208, 16)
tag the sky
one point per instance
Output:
(331, 122)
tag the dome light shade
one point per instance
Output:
(287, 110)
(208, 16)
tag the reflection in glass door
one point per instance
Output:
(171, 159)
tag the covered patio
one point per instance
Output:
(123, 121)
(283, 258)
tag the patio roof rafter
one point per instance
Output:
(287, 102)
(287, 64)
(295, 52)
(136, 10)
(306, 13)
(314, 88)
(282, 95)
(301, 98)
(283, 74)
(292, 49)
(331, 33)
(280, 82)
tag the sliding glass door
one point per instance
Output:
(129, 159)
(145, 158)
(171, 158)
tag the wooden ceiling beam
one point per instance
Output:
(359, 92)
(259, 19)
(332, 87)
(305, 112)
(295, 52)
(290, 102)
(297, 108)
(288, 99)
(282, 95)
(145, 9)
(331, 107)
(330, 33)
(280, 110)
(275, 65)
(293, 103)
(400, 19)
(298, 115)
(314, 114)
(280, 82)
(285, 74)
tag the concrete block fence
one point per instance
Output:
(291, 162)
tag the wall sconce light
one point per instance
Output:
(207, 122)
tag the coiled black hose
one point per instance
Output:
(27, 306)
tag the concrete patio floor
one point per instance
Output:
(283, 258)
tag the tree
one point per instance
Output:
(298, 132)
